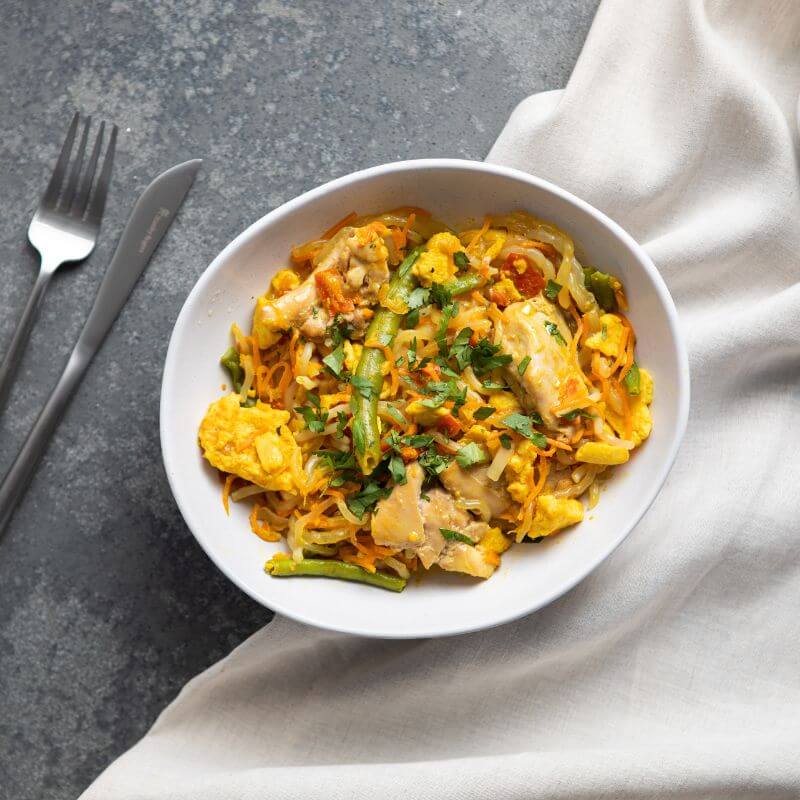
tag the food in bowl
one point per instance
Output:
(414, 397)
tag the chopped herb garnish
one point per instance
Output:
(419, 297)
(397, 469)
(551, 290)
(454, 536)
(493, 385)
(506, 441)
(633, 381)
(411, 319)
(485, 357)
(603, 332)
(445, 368)
(448, 312)
(335, 360)
(553, 330)
(440, 295)
(366, 499)
(341, 424)
(314, 418)
(484, 413)
(470, 454)
(523, 365)
(522, 425)
(461, 259)
(578, 412)
(433, 462)
(362, 386)
(460, 350)
(337, 460)
(339, 330)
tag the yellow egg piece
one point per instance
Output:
(554, 513)
(435, 264)
(608, 340)
(253, 443)
(602, 453)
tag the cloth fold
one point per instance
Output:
(674, 669)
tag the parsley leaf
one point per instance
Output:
(397, 469)
(338, 330)
(448, 312)
(505, 440)
(460, 350)
(341, 424)
(337, 460)
(365, 500)
(460, 259)
(440, 295)
(362, 386)
(570, 415)
(335, 360)
(419, 297)
(523, 365)
(493, 385)
(522, 425)
(455, 536)
(411, 319)
(314, 418)
(433, 462)
(551, 290)
(553, 330)
(470, 454)
(484, 413)
(486, 356)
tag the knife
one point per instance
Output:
(149, 221)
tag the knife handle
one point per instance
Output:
(16, 481)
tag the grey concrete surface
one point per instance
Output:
(107, 605)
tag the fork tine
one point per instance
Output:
(50, 196)
(82, 197)
(97, 204)
(75, 170)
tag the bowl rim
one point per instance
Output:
(424, 164)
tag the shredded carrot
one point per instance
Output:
(226, 492)
(480, 234)
(335, 228)
(260, 527)
(558, 445)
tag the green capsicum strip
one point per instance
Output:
(369, 373)
(329, 568)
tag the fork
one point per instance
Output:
(64, 228)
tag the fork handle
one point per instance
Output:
(13, 357)
(19, 476)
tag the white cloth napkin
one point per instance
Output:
(673, 670)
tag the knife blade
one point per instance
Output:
(150, 219)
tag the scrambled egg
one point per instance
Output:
(608, 340)
(494, 541)
(642, 421)
(284, 281)
(521, 463)
(352, 355)
(436, 264)
(554, 513)
(601, 453)
(423, 415)
(253, 443)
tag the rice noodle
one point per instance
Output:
(249, 374)
(499, 463)
(246, 491)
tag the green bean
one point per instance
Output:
(230, 360)
(368, 378)
(601, 285)
(464, 283)
(329, 568)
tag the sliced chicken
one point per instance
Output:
(462, 557)
(398, 520)
(551, 383)
(474, 484)
(352, 265)
(440, 511)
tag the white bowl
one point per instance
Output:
(531, 575)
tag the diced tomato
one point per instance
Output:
(331, 291)
(499, 298)
(449, 424)
(529, 281)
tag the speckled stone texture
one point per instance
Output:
(107, 604)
